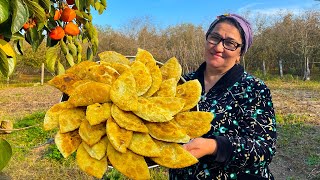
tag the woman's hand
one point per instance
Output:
(200, 147)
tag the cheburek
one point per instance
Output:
(120, 68)
(119, 137)
(142, 77)
(168, 88)
(145, 57)
(190, 91)
(171, 69)
(195, 123)
(98, 113)
(51, 118)
(102, 73)
(156, 80)
(112, 56)
(90, 93)
(64, 82)
(167, 131)
(142, 144)
(90, 165)
(128, 120)
(98, 150)
(70, 119)
(80, 69)
(173, 105)
(91, 134)
(173, 156)
(150, 111)
(130, 164)
(67, 143)
(123, 92)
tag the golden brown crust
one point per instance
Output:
(130, 164)
(119, 138)
(167, 131)
(190, 91)
(173, 156)
(195, 123)
(90, 165)
(67, 143)
(90, 93)
(123, 92)
(91, 134)
(128, 120)
(142, 144)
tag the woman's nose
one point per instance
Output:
(219, 47)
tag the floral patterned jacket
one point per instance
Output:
(244, 128)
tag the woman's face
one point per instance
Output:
(216, 56)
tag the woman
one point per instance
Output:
(241, 142)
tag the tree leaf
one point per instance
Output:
(51, 58)
(81, 4)
(3, 63)
(79, 57)
(37, 10)
(4, 30)
(70, 59)
(61, 69)
(10, 57)
(17, 36)
(104, 3)
(12, 61)
(20, 15)
(101, 9)
(89, 54)
(7, 49)
(45, 4)
(90, 30)
(72, 48)
(79, 49)
(18, 46)
(64, 47)
(6, 153)
(97, 5)
(34, 38)
(4, 10)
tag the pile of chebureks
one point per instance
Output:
(120, 112)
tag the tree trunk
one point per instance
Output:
(42, 73)
(280, 68)
(306, 76)
(244, 62)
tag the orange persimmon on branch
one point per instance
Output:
(63, 24)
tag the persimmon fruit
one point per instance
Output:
(57, 33)
(68, 14)
(71, 29)
(57, 15)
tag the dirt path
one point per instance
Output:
(17, 102)
(304, 103)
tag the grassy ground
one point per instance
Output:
(297, 106)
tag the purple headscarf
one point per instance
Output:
(244, 24)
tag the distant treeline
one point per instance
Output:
(283, 44)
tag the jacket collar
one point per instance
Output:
(227, 80)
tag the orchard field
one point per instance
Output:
(297, 105)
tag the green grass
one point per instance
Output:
(299, 142)
(24, 141)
